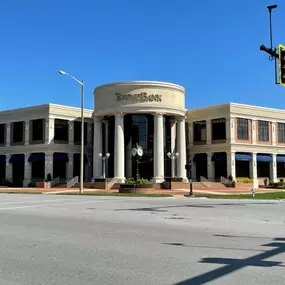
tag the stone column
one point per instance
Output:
(89, 134)
(209, 131)
(8, 134)
(9, 168)
(49, 132)
(27, 132)
(254, 126)
(210, 166)
(274, 131)
(49, 165)
(230, 130)
(158, 149)
(119, 151)
(71, 132)
(254, 170)
(97, 148)
(273, 169)
(69, 172)
(106, 141)
(173, 146)
(28, 171)
(173, 135)
(231, 165)
(181, 149)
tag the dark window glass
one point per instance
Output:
(77, 132)
(37, 130)
(18, 132)
(2, 133)
(263, 131)
(219, 129)
(200, 131)
(61, 130)
(242, 129)
(281, 132)
(138, 129)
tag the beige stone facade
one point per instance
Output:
(151, 100)
(253, 130)
(25, 147)
(222, 140)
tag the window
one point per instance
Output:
(18, 132)
(263, 131)
(281, 132)
(61, 130)
(219, 129)
(37, 129)
(200, 131)
(242, 129)
(2, 134)
(77, 132)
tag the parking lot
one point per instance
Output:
(56, 239)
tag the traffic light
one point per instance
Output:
(281, 50)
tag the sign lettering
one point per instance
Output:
(139, 98)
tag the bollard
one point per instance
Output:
(253, 192)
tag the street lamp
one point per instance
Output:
(82, 127)
(104, 158)
(138, 153)
(173, 156)
(188, 167)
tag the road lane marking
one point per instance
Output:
(48, 205)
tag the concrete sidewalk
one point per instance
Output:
(179, 192)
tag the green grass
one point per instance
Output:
(260, 196)
(115, 194)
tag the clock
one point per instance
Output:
(140, 151)
(134, 151)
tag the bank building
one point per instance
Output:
(228, 139)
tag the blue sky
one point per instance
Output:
(209, 47)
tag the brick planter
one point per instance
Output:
(136, 190)
(175, 183)
(133, 188)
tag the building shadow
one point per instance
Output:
(231, 265)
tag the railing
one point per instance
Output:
(203, 179)
(26, 182)
(112, 182)
(72, 182)
(55, 181)
(224, 180)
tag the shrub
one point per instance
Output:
(281, 180)
(130, 181)
(265, 181)
(142, 181)
(4, 182)
(32, 184)
(173, 179)
(244, 180)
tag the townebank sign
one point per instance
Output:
(139, 98)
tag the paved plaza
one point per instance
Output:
(56, 239)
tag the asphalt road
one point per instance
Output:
(47, 239)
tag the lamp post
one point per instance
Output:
(104, 158)
(173, 156)
(138, 153)
(82, 127)
(188, 167)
